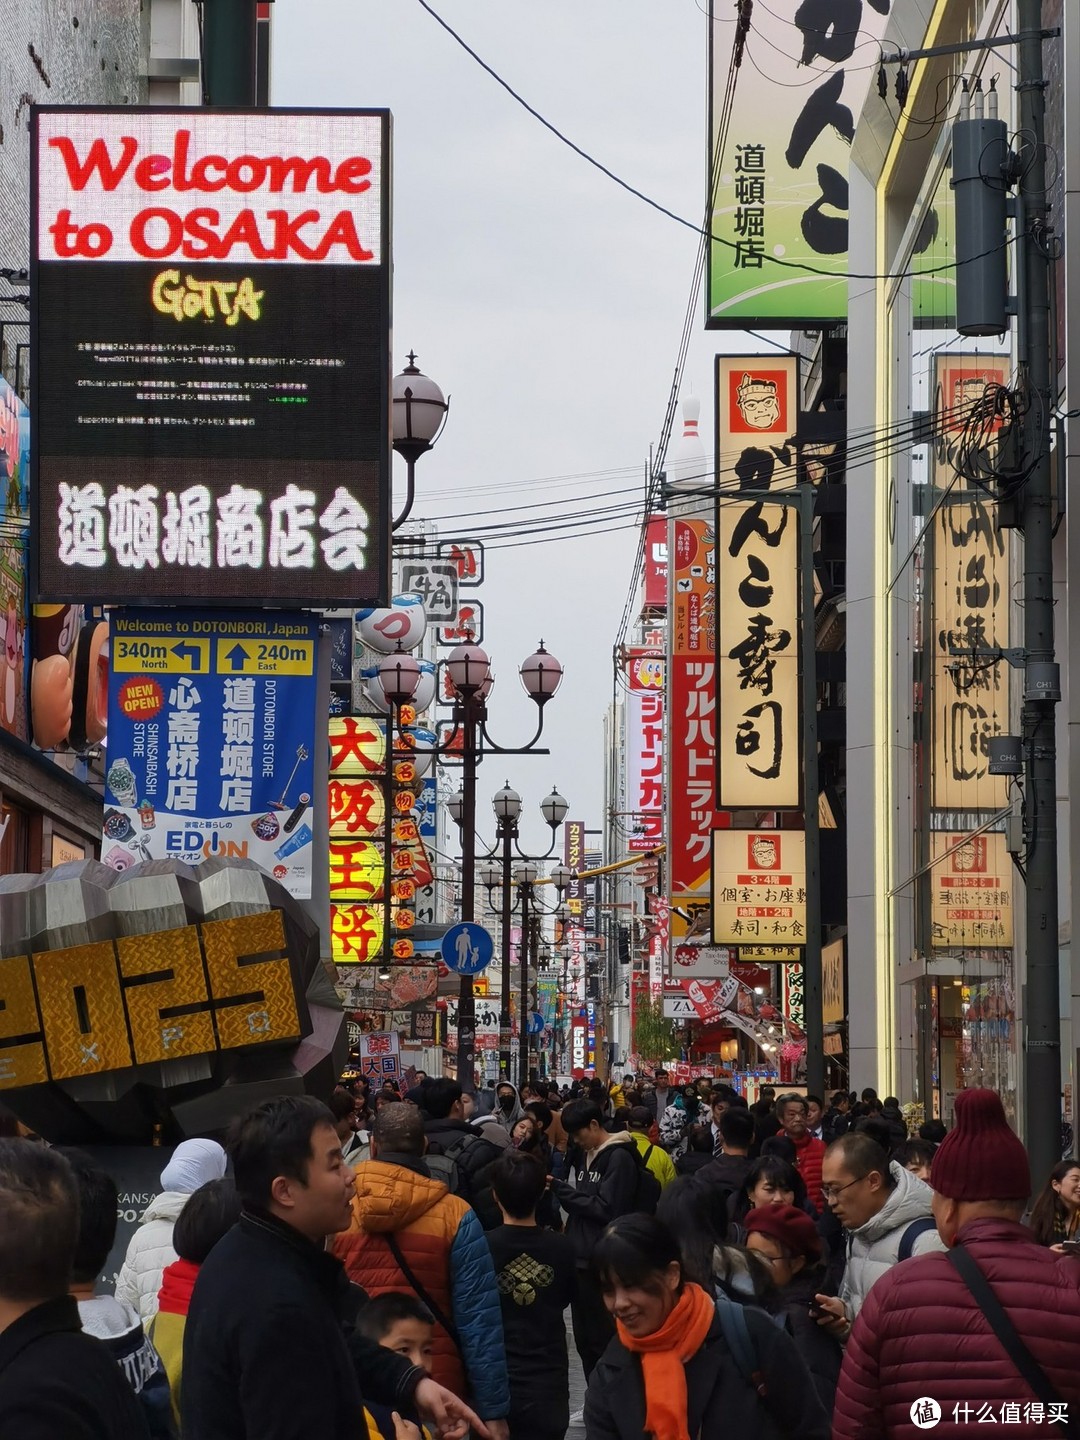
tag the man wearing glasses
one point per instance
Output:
(886, 1212)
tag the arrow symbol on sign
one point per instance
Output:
(186, 651)
(236, 656)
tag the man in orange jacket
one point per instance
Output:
(408, 1232)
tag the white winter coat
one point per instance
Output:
(874, 1247)
(149, 1251)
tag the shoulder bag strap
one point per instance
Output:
(421, 1293)
(1021, 1357)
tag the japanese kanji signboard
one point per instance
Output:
(758, 762)
(971, 891)
(759, 887)
(379, 1055)
(970, 596)
(779, 192)
(645, 749)
(211, 362)
(692, 701)
(211, 738)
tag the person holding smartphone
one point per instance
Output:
(786, 1239)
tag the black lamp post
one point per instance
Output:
(420, 410)
(470, 674)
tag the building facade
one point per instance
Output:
(936, 900)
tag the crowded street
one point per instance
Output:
(537, 740)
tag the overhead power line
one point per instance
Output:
(662, 209)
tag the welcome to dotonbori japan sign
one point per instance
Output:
(211, 355)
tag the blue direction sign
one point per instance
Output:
(467, 948)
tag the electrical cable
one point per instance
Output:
(778, 260)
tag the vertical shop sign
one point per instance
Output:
(972, 891)
(692, 691)
(574, 858)
(655, 578)
(645, 748)
(757, 748)
(781, 182)
(211, 737)
(970, 601)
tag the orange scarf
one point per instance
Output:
(663, 1355)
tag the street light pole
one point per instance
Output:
(470, 675)
(507, 806)
(466, 1008)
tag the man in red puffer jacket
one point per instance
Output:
(922, 1339)
(793, 1113)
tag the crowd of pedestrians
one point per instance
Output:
(404, 1265)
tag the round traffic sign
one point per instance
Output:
(467, 948)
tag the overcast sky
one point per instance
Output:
(544, 299)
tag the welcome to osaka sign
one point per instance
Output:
(211, 352)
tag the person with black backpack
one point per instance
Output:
(457, 1153)
(611, 1180)
(685, 1361)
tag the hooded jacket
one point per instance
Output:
(443, 1245)
(606, 1186)
(193, 1164)
(922, 1333)
(118, 1327)
(149, 1251)
(507, 1121)
(874, 1248)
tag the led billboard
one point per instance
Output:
(211, 355)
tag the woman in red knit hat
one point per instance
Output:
(787, 1240)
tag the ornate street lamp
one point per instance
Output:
(419, 413)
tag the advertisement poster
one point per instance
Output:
(211, 366)
(14, 521)
(211, 736)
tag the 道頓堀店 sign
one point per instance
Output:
(778, 206)
(211, 299)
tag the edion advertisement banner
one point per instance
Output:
(211, 356)
(211, 741)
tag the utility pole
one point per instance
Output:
(1042, 1037)
(813, 1018)
(229, 45)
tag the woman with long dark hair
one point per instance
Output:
(670, 1372)
(1055, 1216)
(769, 1181)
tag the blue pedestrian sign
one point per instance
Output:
(467, 948)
